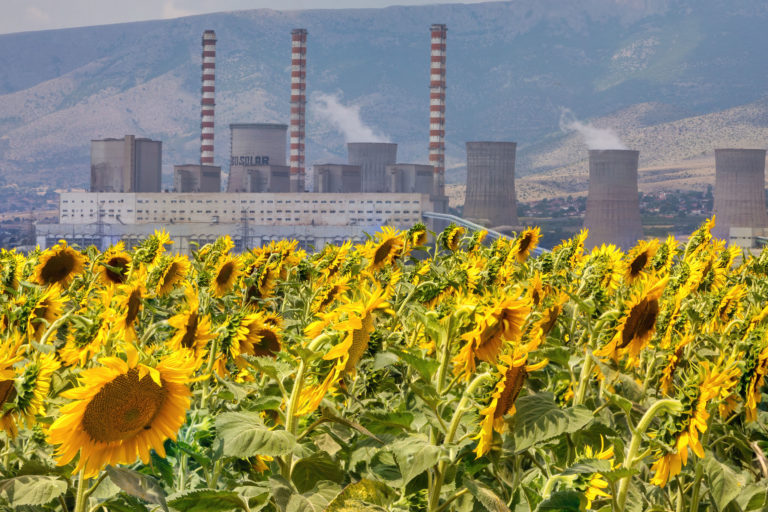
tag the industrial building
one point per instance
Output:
(739, 191)
(255, 146)
(490, 195)
(613, 203)
(196, 178)
(338, 178)
(298, 107)
(126, 165)
(373, 159)
(410, 178)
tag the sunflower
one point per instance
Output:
(115, 265)
(11, 353)
(511, 377)
(121, 410)
(193, 330)
(665, 255)
(172, 270)
(25, 399)
(384, 248)
(59, 265)
(451, 237)
(332, 258)
(226, 274)
(46, 309)
(673, 360)
(476, 242)
(728, 306)
(638, 324)
(11, 266)
(264, 336)
(87, 333)
(495, 323)
(152, 249)
(417, 235)
(566, 255)
(536, 289)
(330, 293)
(639, 259)
(602, 270)
(128, 304)
(754, 379)
(525, 243)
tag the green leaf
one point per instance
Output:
(163, 467)
(538, 419)
(272, 367)
(359, 494)
(753, 497)
(244, 435)
(384, 359)
(307, 472)
(387, 422)
(138, 485)
(486, 497)
(414, 456)
(425, 366)
(588, 466)
(32, 490)
(723, 486)
(562, 501)
(619, 473)
(206, 500)
(619, 401)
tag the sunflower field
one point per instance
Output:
(394, 375)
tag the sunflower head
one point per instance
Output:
(451, 237)
(45, 309)
(525, 243)
(152, 248)
(169, 272)
(384, 248)
(417, 235)
(225, 275)
(114, 266)
(59, 265)
(639, 259)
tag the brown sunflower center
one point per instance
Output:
(123, 407)
(525, 243)
(535, 297)
(134, 302)
(116, 268)
(513, 383)
(58, 267)
(222, 279)
(190, 331)
(7, 391)
(382, 252)
(641, 321)
(638, 264)
(268, 344)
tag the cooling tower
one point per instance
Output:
(207, 103)
(253, 145)
(613, 204)
(298, 105)
(373, 159)
(739, 190)
(490, 197)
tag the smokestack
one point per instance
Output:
(437, 107)
(298, 106)
(739, 190)
(613, 204)
(490, 195)
(373, 159)
(207, 97)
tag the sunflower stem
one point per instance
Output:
(434, 496)
(54, 326)
(81, 499)
(661, 406)
(92, 488)
(586, 370)
(695, 496)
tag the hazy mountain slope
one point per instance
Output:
(640, 66)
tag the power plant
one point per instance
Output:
(438, 36)
(739, 190)
(207, 101)
(613, 201)
(490, 195)
(373, 159)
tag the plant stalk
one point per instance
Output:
(81, 499)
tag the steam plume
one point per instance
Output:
(346, 119)
(594, 138)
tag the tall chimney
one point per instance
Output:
(739, 190)
(613, 204)
(437, 107)
(298, 105)
(490, 195)
(207, 94)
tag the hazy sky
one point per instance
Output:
(25, 15)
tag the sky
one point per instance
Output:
(27, 15)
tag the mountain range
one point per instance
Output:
(672, 78)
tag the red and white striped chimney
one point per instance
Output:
(206, 100)
(437, 107)
(298, 105)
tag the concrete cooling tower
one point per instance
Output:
(739, 190)
(613, 204)
(490, 196)
(254, 145)
(373, 159)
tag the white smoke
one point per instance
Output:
(594, 138)
(346, 119)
